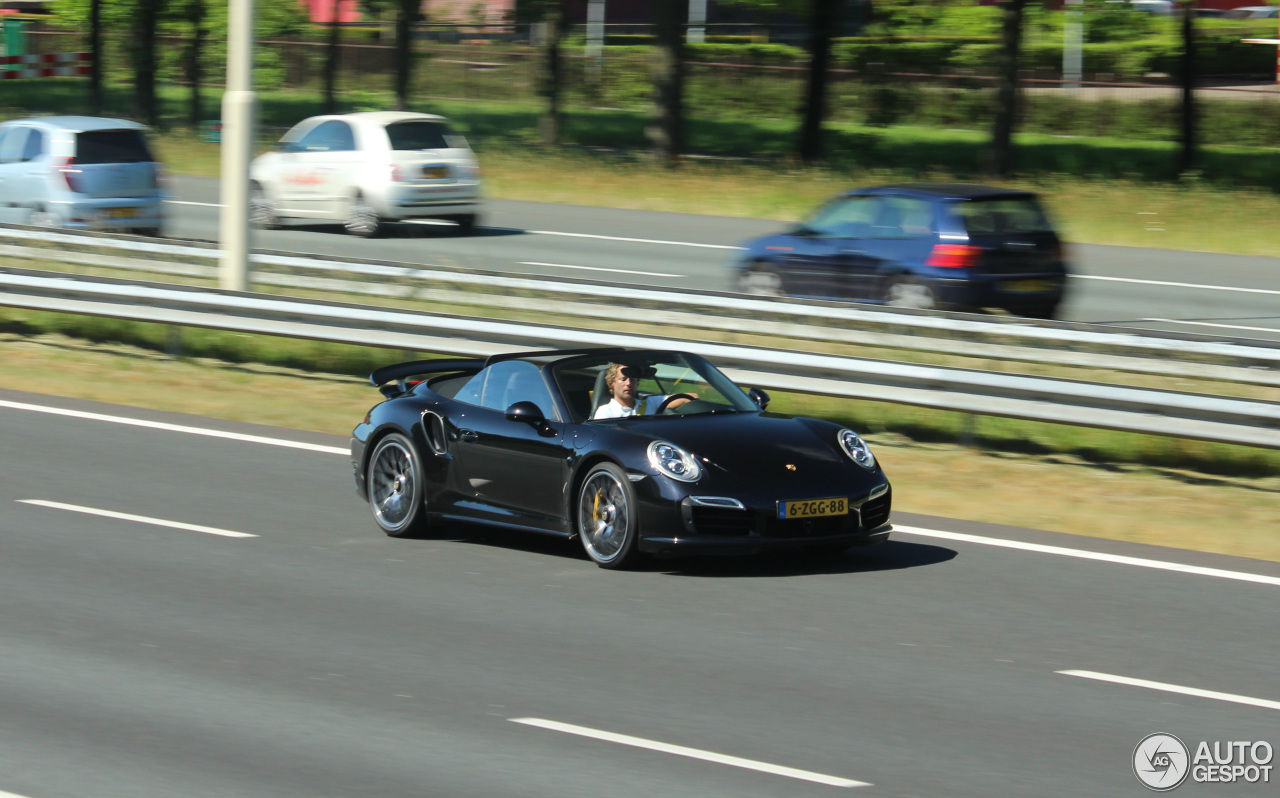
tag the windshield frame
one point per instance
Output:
(736, 398)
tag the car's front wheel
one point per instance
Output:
(395, 487)
(760, 279)
(362, 220)
(607, 523)
(466, 223)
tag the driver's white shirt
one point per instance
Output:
(616, 409)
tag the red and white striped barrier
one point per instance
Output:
(50, 65)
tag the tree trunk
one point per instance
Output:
(822, 24)
(144, 62)
(666, 123)
(331, 63)
(95, 47)
(557, 25)
(194, 52)
(1188, 79)
(407, 12)
(1000, 158)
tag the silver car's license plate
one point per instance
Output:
(435, 172)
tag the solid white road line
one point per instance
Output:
(4, 794)
(211, 433)
(1175, 688)
(693, 753)
(1176, 285)
(1090, 555)
(597, 269)
(1219, 326)
(141, 519)
(631, 240)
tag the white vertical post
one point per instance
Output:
(697, 22)
(238, 124)
(1072, 45)
(595, 38)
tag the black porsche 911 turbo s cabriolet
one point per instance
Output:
(534, 441)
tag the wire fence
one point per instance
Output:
(457, 64)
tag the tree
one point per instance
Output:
(1000, 155)
(195, 13)
(1188, 78)
(331, 61)
(666, 121)
(823, 18)
(146, 21)
(96, 53)
(555, 26)
(406, 12)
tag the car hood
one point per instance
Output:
(762, 442)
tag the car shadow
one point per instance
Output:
(892, 555)
(411, 230)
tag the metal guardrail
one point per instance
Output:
(1167, 413)
(1012, 339)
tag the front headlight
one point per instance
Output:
(674, 462)
(856, 448)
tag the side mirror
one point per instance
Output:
(527, 412)
(802, 229)
(759, 396)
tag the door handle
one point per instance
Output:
(468, 435)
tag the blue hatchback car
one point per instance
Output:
(931, 246)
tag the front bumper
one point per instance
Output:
(691, 526)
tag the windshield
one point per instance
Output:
(656, 375)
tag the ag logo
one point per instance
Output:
(1160, 762)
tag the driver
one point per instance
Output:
(623, 383)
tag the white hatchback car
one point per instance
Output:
(85, 172)
(365, 170)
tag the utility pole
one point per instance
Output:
(238, 123)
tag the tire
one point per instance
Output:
(262, 211)
(908, 292)
(606, 520)
(42, 218)
(362, 220)
(760, 280)
(1047, 312)
(395, 488)
(466, 223)
(148, 232)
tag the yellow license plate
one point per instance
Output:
(435, 172)
(1028, 286)
(813, 508)
(122, 213)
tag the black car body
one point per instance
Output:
(509, 441)
(943, 246)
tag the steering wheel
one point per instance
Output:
(670, 399)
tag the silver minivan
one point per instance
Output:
(79, 171)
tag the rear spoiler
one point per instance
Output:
(383, 377)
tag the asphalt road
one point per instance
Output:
(320, 658)
(1191, 292)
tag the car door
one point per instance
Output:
(9, 145)
(828, 248)
(903, 235)
(14, 197)
(327, 154)
(517, 469)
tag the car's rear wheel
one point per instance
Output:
(1040, 312)
(262, 211)
(395, 487)
(908, 292)
(760, 279)
(606, 512)
(466, 223)
(362, 220)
